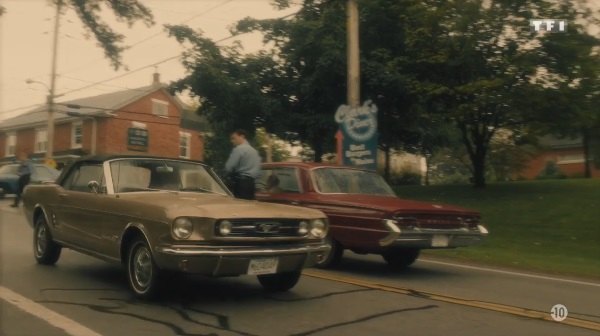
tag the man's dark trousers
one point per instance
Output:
(244, 187)
(23, 181)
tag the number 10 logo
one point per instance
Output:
(559, 312)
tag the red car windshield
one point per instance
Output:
(350, 181)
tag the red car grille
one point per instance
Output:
(439, 222)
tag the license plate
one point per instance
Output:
(263, 266)
(439, 241)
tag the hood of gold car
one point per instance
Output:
(218, 206)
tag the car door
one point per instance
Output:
(280, 185)
(81, 211)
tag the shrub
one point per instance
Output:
(551, 171)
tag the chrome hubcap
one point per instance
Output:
(142, 267)
(41, 241)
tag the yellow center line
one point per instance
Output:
(497, 307)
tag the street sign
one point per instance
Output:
(137, 139)
(357, 140)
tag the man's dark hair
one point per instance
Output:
(241, 132)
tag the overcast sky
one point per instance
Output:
(26, 44)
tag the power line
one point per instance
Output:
(156, 34)
(184, 21)
(110, 85)
(122, 75)
(20, 108)
(141, 68)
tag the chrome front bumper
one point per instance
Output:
(431, 238)
(233, 260)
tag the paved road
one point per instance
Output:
(84, 296)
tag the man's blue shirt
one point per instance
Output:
(244, 160)
(26, 168)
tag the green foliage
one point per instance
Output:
(406, 178)
(438, 71)
(449, 166)
(279, 150)
(551, 171)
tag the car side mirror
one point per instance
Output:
(94, 186)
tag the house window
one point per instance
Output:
(41, 140)
(184, 145)
(76, 134)
(570, 158)
(11, 144)
(160, 107)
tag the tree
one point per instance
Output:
(575, 60)
(426, 64)
(278, 148)
(488, 71)
(129, 11)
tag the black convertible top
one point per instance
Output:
(107, 157)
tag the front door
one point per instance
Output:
(80, 211)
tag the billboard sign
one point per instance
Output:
(358, 135)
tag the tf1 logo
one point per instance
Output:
(548, 25)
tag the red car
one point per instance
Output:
(365, 215)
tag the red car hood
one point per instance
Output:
(393, 204)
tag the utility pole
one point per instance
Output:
(51, 96)
(353, 53)
(353, 67)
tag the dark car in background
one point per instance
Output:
(9, 178)
(365, 215)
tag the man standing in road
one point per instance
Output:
(243, 166)
(25, 170)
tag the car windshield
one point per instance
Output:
(9, 169)
(134, 175)
(43, 173)
(350, 181)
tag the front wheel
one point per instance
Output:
(45, 250)
(142, 272)
(334, 256)
(279, 282)
(401, 258)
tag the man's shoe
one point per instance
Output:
(14, 205)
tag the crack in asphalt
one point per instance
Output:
(319, 296)
(364, 319)
(223, 321)
(109, 310)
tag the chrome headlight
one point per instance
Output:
(225, 227)
(318, 228)
(182, 228)
(303, 228)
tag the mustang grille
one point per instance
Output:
(262, 228)
(444, 222)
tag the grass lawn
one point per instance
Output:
(551, 226)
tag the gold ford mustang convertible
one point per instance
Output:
(157, 215)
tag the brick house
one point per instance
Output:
(146, 120)
(566, 153)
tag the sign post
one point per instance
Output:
(357, 137)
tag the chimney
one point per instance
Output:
(156, 79)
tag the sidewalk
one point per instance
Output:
(5, 205)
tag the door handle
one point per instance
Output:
(62, 195)
(295, 203)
